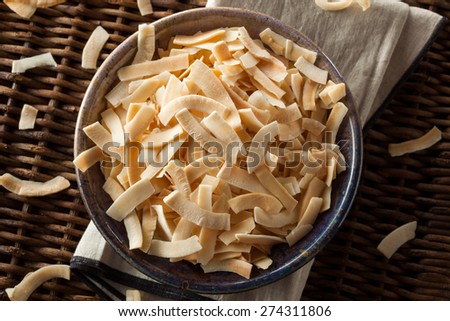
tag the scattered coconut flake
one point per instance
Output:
(414, 145)
(145, 7)
(27, 117)
(23, 290)
(30, 188)
(394, 240)
(42, 60)
(93, 47)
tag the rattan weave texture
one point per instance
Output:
(39, 231)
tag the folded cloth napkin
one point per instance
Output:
(374, 50)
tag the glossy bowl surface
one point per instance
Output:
(183, 274)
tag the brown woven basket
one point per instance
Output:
(39, 231)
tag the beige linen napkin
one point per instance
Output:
(373, 50)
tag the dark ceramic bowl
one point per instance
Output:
(183, 274)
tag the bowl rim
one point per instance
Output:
(355, 165)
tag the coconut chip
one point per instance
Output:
(93, 47)
(22, 65)
(33, 280)
(394, 240)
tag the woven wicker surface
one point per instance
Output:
(39, 231)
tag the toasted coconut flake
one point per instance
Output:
(93, 47)
(237, 266)
(263, 263)
(266, 83)
(173, 90)
(293, 52)
(235, 94)
(259, 239)
(311, 71)
(273, 40)
(197, 132)
(223, 131)
(240, 178)
(149, 220)
(30, 188)
(227, 256)
(298, 233)
(134, 230)
(32, 281)
(290, 131)
(313, 126)
(145, 7)
(332, 93)
(204, 165)
(162, 223)
(414, 145)
(274, 70)
(157, 138)
(131, 198)
(119, 92)
(258, 99)
(88, 158)
(150, 68)
(175, 249)
(276, 188)
(42, 60)
(27, 117)
(251, 45)
(394, 240)
(44, 3)
(315, 189)
(248, 60)
(335, 119)
(164, 156)
(274, 219)
(140, 121)
(191, 211)
(249, 119)
(309, 95)
(297, 82)
(134, 171)
(199, 37)
(183, 230)
(146, 42)
(233, 247)
(24, 10)
(146, 89)
(103, 139)
(258, 146)
(283, 46)
(208, 82)
(251, 200)
(207, 180)
(311, 212)
(114, 124)
(245, 227)
(333, 6)
(179, 178)
(191, 102)
(133, 295)
(289, 114)
(207, 236)
(113, 188)
(221, 51)
(326, 196)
